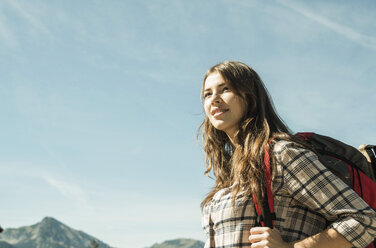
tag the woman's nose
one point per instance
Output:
(216, 98)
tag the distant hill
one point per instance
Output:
(49, 233)
(180, 243)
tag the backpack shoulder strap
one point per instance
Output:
(265, 213)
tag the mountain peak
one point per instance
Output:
(48, 233)
(48, 218)
(50, 221)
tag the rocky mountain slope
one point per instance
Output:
(49, 233)
(180, 243)
(4, 244)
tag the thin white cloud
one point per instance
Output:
(26, 13)
(351, 34)
(68, 189)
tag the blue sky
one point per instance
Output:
(100, 101)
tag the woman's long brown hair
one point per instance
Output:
(242, 167)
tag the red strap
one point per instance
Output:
(268, 182)
(268, 178)
(258, 209)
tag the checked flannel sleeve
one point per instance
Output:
(311, 184)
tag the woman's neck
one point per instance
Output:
(233, 137)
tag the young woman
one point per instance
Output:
(313, 207)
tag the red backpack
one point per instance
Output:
(354, 168)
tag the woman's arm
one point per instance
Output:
(311, 184)
(326, 238)
(266, 237)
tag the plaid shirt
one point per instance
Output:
(308, 198)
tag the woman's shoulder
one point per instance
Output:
(287, 151)
(224, 195)
(220, 197)
(280, 146)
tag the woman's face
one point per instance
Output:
(222, 106)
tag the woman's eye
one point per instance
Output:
(226, 88)
(207, 95)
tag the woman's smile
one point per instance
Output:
(217, 112)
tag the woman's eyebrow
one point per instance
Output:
(219, 85)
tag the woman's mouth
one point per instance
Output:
(216, 112)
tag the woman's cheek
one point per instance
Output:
(207, 109)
